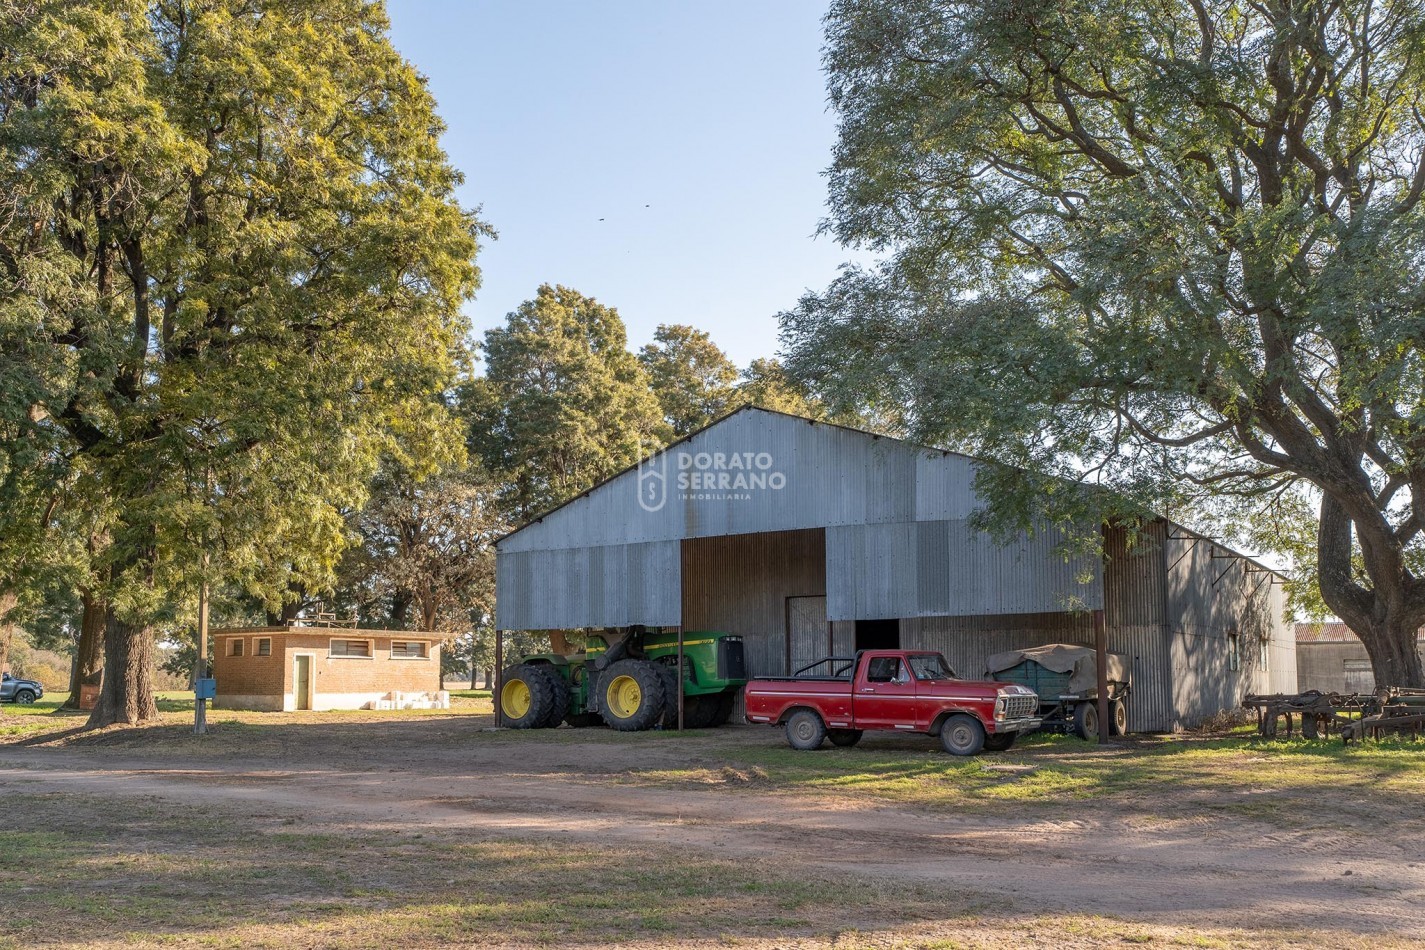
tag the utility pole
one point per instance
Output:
(200, 702)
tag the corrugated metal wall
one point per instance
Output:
(567, 588)
(968, 642)
(740, 584)
(939, 568)
(1213, 594)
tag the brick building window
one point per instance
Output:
(235, 646)
(408, 650)
(351, 648)
(264, 647)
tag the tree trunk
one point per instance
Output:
(88, 666)
(1387, 616)
(127, 693)
(8, 600)
(1394, 652)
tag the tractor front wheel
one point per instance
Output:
(526, 696)
(631, 695)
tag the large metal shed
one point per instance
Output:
(808, 538)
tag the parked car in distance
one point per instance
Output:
(893, 690)
(24, 692)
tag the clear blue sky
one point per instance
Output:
(697, 132)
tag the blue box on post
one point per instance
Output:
(205, 688)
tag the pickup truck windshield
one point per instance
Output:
(930, 666)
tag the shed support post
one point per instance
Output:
(680, 677)
(1100, 640)
(499, 676)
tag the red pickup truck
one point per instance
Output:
(895, 690)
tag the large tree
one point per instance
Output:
(692, 378)
(563, 403)
(1174, 248)
(231, 247)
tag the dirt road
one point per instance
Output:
(1205, 871)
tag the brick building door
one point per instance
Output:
(302, 673)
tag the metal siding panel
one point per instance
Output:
(968, 642)
(588, 587)
(740, 584)
(1208, 598)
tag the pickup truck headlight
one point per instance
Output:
(1000, 708)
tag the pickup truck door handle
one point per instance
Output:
(868, 689)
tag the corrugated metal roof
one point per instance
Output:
(824, 490)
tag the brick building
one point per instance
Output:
(288, 668)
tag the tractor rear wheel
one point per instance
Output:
(844, 738)
(725, 702)
(670, 697)
(558, 697)
(631, 695)
(526, 696)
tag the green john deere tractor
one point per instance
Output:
(627, 680)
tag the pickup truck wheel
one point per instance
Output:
(1086, 720)
(25, 696)
(962, 735)
(631, 695)
(526, 696)
(805, 730)
(1000, 742)
(844, 738)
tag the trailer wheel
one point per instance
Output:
(1000, 741)
(558, 697)
(632, 695)
(844, 738)
(526, 696)
(962, 735)
(1309, 728)
(1086, 720)
(805, 730)
(1119, 711)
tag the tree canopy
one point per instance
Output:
(563, 404)
(692, 378)
(1176, 249)
(231, 272)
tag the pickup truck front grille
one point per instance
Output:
(1020, 707)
